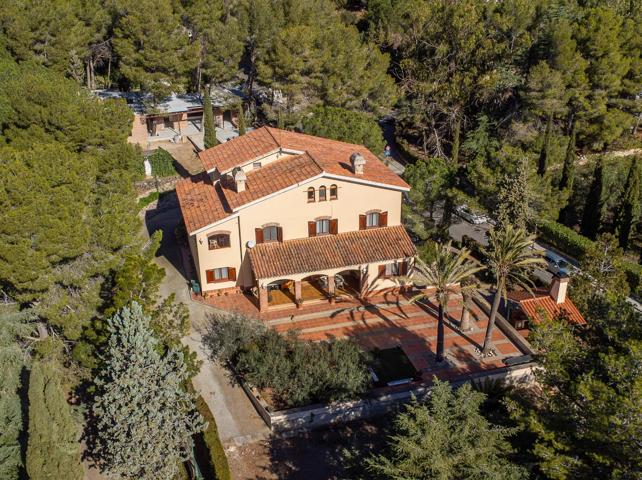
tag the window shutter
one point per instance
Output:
(279, 234)
(210, 276)
(382, 270)
(383, 219)
(231, 274)
(312, 229)
(334, 226)
(259, 235)
(403, 268)
(362, 222)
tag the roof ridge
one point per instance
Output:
(269, 130)
(316, 162)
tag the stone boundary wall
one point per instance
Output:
(315, 416)
(165, 184)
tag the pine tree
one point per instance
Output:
(447, 438)
(54, 435)
(628, 212)
(209, 130)
(568, 170)
(241, 119)
(513, 199)
(594, 206)
(144, 418)
(13, 327)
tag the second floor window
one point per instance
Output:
(311, 195)
(219, 240)
(372, 219)
(270, 234)
(322, 194)
(323, 227)
(333, 192)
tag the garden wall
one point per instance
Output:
(315, 416)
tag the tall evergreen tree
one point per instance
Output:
(241, 119)
(568, 170)
(443, 439)
(545, 152)
(14, 326)
(144, 418)
(54, 435)
(209, 130)
(628, 212)
(594, 206)
(513, 206)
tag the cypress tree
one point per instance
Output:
(568, 170)
(513, 199)
(280, 121)
(241, 120)
(209, 131)
(54, 446)
(628, 212)
(544, 156)
(594, 206)
(144, 418)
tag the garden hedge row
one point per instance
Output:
(217, 458)
(572, 243)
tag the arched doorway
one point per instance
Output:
(348, 283)
(281, 292)
(314, 287)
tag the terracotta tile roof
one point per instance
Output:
(272, 178)
(280, 259)
(332, 155)
(201, 202)
(542, 306)
(227, 155)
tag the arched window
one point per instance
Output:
(333, 192)
(311, 195)
(322, 194)
(218, 240)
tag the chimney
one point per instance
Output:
(559, 285)
(239, 180)
(358, 163)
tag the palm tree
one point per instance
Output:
(468, 290)
(445, 270)
(511, 258)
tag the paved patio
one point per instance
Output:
(386, 322)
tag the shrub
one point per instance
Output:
(216, 460)
(296, 372)
(162, 163)
(633, 273)
(144, 201)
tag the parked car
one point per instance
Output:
(467, 214)
(557, 264)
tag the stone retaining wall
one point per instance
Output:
(165, 184)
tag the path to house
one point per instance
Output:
(236, 418)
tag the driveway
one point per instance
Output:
(236, 418)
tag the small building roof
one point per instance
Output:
(539, 306)
(280, 259)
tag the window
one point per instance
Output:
(221, 274)
(218, 240)
(323, 227)
(322, 194)
(311, 196)
(270, 234)
(372, 219)
(333, 192)
(392, 269)
(256, 165)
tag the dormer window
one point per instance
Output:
(372, 219)
(270, 234)
(311, 195)
(322, 194)
(323, 226)
(333, 192)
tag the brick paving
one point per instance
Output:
(386, 322)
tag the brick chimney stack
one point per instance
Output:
(559, 286)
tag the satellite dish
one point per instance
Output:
(251, 244)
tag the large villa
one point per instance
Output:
(289, 218)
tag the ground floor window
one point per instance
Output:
(221, 274)
(392, 269)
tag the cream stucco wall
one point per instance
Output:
(291, 211)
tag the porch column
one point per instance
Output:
(363, 282)
(263, 299)
(297, 293)
(331, 287)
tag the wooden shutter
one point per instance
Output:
(258, 232)
(210, 276)
(279, 234)
(382, 270)
(231, 273)
(362, 222)
(383, 219)
(403, 268)
(334, 226)
(312, 229)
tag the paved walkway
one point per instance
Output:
(236, 418)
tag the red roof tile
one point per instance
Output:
(542, 307)
(201, 202)
(246, 147)
(279, 259)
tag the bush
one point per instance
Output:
(144, 201)
(216, 461)
(162, 163)
(633, 273)
(296, 372)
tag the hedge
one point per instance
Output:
(162, 163)
(216, 466)
(576, 245)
